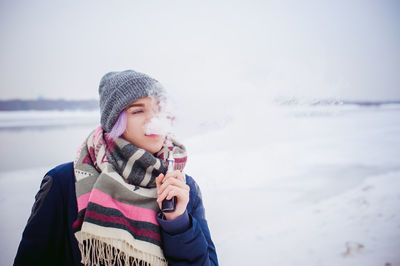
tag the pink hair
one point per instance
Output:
(119, 126)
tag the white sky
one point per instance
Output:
(203, 49)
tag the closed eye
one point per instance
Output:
(137, 112)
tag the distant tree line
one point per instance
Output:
(47, 104)
(316, 102)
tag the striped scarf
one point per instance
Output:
(116, 195)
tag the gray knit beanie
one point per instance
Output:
(119, 89)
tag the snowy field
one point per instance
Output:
(287, 185)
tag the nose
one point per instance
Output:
(150, 114)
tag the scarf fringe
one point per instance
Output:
(96, 251)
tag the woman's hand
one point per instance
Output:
(170, 185)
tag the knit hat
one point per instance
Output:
(119, 89)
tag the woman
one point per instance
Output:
(104, 208)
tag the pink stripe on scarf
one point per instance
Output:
(180, 160)
(83, 201)
(132, 212)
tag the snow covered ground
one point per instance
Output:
(286, 185)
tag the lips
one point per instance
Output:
(152, 135)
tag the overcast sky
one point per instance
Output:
(312, 49)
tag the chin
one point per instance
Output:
(153, 148)
(153, 151)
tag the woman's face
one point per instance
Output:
(139, 113)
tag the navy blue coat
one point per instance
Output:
(48, 238)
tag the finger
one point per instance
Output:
(167, 192)
(172, 180)
(175, 182)
(175, 193)
(164, 193)
(180, 175)
(180, 194)
(159, 180)
(175, 174)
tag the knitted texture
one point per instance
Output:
(116, 196)
(119, 89)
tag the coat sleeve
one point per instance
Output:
(40, 244)
(194, 245)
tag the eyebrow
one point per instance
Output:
(135, 105)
